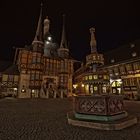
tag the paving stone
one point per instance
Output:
(45, 119)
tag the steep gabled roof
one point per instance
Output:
(11, 70)
(4, 65)
(126, 52)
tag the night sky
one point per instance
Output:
(116, 23)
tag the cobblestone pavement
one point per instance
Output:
(45, 119)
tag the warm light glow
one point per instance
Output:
(23, 90)
(95, 88)
(15, 89)
(83, 85)
(47, 42)
(75, 86)
(90, 77)
(49, 38)
(118, 80)
(33, 91)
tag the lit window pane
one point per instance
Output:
(4, 77)
(90, 77)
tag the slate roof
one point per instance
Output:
(123, 53)
(11, 70)
(4, 65)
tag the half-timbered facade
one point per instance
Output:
(89, 79)
(123, 65)
(45, 68)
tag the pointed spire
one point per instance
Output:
(93, 41)
(38, 35)
(63, 37)
(46, 25)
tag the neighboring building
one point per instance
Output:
(89, 79)
(123, 67)
(123, 64)
(3, 65)
(42, 69)
(10, 81)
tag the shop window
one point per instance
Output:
(116, 84)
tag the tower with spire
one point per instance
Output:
(90, 79)
(36, 66)
(66, 63)
(46, 68)
(94, 59)
(63, 51)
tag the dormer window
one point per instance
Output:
(112, 60)
(132, 45)
(134, 54)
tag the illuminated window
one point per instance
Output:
(104, 89)
(90, 77)
(95, 76)
(86, 78)
(4, 77)
(91, 89)
(136, 66)
(116, 84)
(105, 76)
(129, 67)
(95, 88)
(15, 78)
